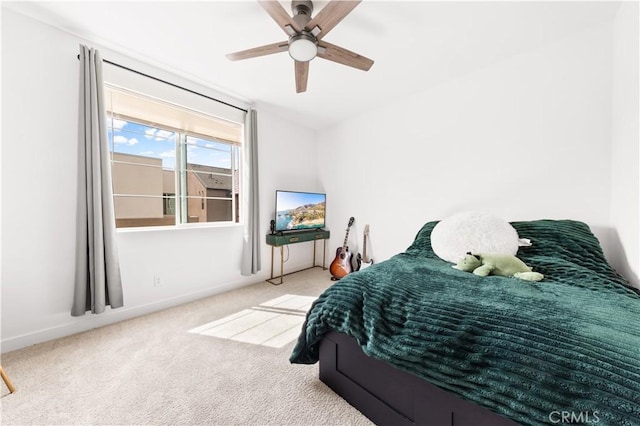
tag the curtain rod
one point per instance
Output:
(170, 84)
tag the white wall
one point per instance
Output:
(288, 162)
(526, 138)
(39, 122)
(625, 177)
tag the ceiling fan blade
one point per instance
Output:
(331, 15)
(267, 49)
(277, 12)
(302, 75)
(343, 56)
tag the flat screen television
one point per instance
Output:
(297, 211)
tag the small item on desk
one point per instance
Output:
(272, 227)
(341, 265)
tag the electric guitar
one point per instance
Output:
(363, 261)
(341, 265)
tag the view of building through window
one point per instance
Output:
(164, 177)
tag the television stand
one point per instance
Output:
(294, 237)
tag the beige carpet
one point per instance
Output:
(153, 370)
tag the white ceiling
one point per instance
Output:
(415, 44)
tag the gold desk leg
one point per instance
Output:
(314, 253)
(12, 389)
(324, 254)
(271, 263)
(281, 263)
(271, 280)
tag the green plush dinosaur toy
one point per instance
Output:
(497, 264)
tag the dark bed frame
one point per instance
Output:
(388, 396)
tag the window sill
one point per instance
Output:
(174, 228)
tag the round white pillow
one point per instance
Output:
(473, 232)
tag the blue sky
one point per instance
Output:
(133, 138)
(291, 200)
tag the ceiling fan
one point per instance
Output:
(305, 37)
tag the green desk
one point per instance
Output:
(283, 239)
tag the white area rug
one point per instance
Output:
(273, 323)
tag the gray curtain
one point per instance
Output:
(251, 217)
(97, 276)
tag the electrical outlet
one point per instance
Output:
(156, 281)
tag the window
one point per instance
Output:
(169, 204)
(171, 165)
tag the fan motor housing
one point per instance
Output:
(302, 10)
(302, 6)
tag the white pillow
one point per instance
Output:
(474, 232)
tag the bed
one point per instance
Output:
(412, 340)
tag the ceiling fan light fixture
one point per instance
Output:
(305, 36)
(303, 47)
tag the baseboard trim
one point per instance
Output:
(90, 322)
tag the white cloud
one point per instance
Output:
(119, 139)
(163, 134)
(157, 134)
(147, 153)
(168, 154)
(118, 124)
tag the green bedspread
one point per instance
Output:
(526, 350)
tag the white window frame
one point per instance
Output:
(126, 80)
